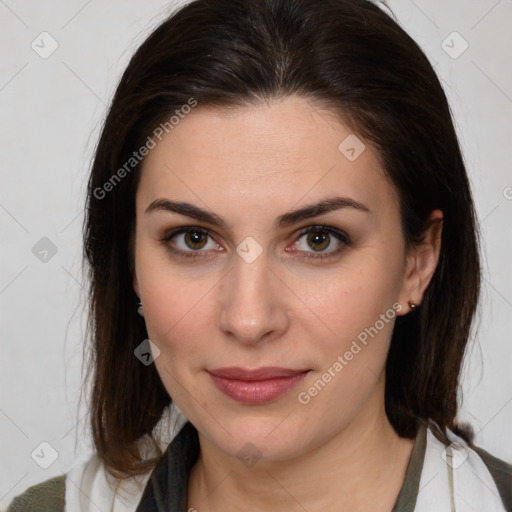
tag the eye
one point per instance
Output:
(189, 242)
(193, 242)
(320, 238)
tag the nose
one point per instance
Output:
(253, 302)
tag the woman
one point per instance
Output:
(284, 270)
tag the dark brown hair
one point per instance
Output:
(356, 61)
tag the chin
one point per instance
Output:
(253, 438)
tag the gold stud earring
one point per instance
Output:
(412, 304)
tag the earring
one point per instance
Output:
(412, 304)
(139, 309)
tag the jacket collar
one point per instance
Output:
(167, 487)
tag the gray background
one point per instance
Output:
(52, 109)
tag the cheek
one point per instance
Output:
(172, 314)
(355, 310)
(349, 361)
(172, 320)
(172, 302)
(352, 297)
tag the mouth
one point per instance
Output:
(256, 386)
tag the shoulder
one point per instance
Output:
(47, 496)
(501, 472)
(52, 494)
(471, 474)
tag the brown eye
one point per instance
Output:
(190, 242)
(195, 239)
(318, 240)
(314, 240)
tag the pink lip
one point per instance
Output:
(256, 386)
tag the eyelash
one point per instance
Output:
(195, 255)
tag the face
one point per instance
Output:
(235, 267)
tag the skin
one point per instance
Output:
(249, 166)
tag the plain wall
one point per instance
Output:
(51, 111)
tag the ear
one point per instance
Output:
(421, 263)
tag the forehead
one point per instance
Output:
(260, 153)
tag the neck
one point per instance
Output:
(359, 468)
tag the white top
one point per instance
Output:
(89, 488)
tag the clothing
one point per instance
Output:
(438, 479)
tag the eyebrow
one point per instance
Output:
(285, 220)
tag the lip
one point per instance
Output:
(256, 386)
